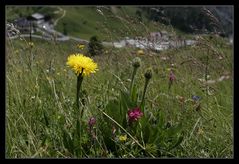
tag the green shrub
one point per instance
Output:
(95, 46)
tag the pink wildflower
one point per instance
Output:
(134, 114)
(172, 77)
(91, 121)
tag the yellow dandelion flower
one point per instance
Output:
(31, 44)
(123, 138)
(16, 51)
(79, 62)
(140, 52)
(200, 131)
(48, 78)
(81, 46)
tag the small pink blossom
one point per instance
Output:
(172, 77)
(134, 114)
(91, 121)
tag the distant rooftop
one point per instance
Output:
(22, 22)
(38, 16)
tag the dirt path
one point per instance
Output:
(62, 16)
(223, 77)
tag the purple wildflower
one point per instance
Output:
(134, 114)
(92, 121)
(196, 98)
(172, 77)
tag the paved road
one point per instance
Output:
(50, 34)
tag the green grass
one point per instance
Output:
(90, 22)
(40, 101)
(112, 25)
(42, 120)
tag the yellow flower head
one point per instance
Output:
(123, 138)
(200, 131)
(79, 62)
(16, 51)
(81, 46)
(31, 44)
(140, 52)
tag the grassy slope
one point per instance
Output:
(39, 102)
(31, 95)
(114, 24)
(90, 22)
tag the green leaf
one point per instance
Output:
(46, 119)
(178, 141)
(106, 131)
(142, 105)
(147, 132)
(78, 128)
(68, 142)
(134, 95)
(174, 130)
(126, 101)
(113, 110)
(65, 140)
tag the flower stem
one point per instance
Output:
(132, 79)
(136, 141)
(145, 88)
(79, 82)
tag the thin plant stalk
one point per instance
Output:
(132, 79)
(145, 88)
(206, 73)
(79, 82)
(136, 65)
(135, 140)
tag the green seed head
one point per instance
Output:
(136, 62)
(148, 73)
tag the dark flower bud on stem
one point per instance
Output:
(148, 73)
(136, 62)
(148, 76)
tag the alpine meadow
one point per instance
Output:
(119, 82)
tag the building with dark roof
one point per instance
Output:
(23, 25)
(37, 18)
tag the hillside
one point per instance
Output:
(117, 22)
(108, 23)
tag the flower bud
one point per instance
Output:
(136, 62)
(148, 73)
